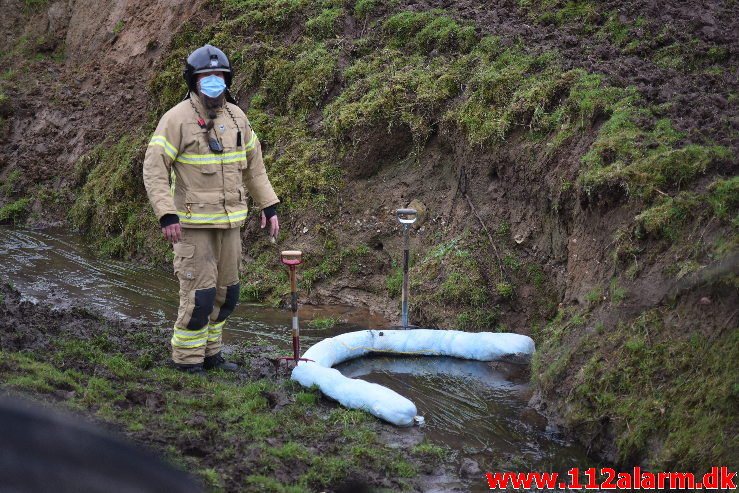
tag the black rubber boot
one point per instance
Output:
(218, 362)
(195, 369)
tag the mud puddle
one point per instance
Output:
(477, 409)
(58, 268)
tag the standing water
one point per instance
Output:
(478, 409)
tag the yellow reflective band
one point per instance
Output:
(189, 344)
(212, 218)
(229, 157)
(184, 334)
(252, 142)
(169, 149)
(214, 331)
(189, 338)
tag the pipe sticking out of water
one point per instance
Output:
(406, 217)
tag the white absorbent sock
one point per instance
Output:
(380, 401)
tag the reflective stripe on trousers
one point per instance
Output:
(207, 265)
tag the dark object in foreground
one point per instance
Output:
(44, 450)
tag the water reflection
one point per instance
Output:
(57, 266)
(476, 408)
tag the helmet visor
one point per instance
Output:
(209, 69)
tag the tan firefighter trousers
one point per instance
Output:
(206, 263)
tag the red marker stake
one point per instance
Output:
(292, 258)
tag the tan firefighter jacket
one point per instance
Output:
(205, 189)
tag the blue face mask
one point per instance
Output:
(212, 86)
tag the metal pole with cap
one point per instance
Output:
(292, 258)
(406, 217)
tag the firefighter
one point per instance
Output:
(200, 164)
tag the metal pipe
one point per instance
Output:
(406, 256)
(291, 263)
(294, 307)
(406, 217)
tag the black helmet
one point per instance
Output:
(206, 59)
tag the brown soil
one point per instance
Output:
(63, 109)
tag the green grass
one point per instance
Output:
(504, 289)
(324, 25)
(319, 322)
(665, 218)
(594, 296)
(394, 283)
(644, 380)
(433, 453)
(32, 6)
(112, 386)
(507, 90)
(364, 8)
(477, 320)
(426, 31)
(297, 77)
(265, 278)
(388, 88)
(621, 156)
(119, 27)
(111, 206)
(617, 293)
(723, 197)
(457, 273)
(15, 212)
(619, 32)
(300, 167)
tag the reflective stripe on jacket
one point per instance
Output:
(205, 189)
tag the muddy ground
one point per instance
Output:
(83, 77)
(42, 334)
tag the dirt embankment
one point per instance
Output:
(76, 79)
(570, 262)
